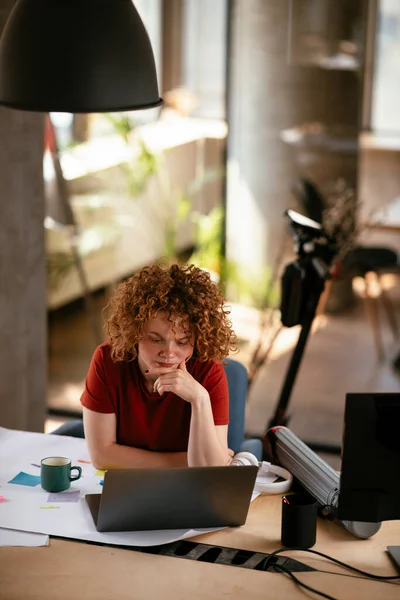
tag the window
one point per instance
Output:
(204, 43)
(71, 128)
(385, 114)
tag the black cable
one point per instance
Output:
(301, 584)
(353, 576)
(335, 560)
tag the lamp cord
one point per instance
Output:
(284, 570)
(335, 560)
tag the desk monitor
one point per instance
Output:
(370, 477)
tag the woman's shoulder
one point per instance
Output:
(103, 352)
(102, 356)
(201, 369)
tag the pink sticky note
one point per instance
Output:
(2, 498)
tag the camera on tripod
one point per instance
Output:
(304, 279)
(303, 282)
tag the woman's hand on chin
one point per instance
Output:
(180, 382)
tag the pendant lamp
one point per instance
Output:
(77, 56)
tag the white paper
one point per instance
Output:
(27, 508)
(11, 537)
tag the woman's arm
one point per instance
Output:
(105, 453)
(208, 444)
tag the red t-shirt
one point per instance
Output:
(144, 419)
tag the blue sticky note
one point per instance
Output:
(26, 479)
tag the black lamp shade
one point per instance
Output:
(77, 56)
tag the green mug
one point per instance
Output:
(55, 473)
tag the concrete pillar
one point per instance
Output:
(269, 94)
(22, 268)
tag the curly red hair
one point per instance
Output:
(183, 292)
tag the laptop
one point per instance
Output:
(173, 498)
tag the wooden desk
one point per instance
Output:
(68, 570)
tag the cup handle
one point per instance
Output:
(79, 469)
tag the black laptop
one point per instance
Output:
(174, 498)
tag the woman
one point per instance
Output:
(156, 393)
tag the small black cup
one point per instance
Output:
(299, 521)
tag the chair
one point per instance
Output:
(367, 262)
(237, 384)
(73, 428)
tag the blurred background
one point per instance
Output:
(268, 104)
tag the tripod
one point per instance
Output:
(302, 285)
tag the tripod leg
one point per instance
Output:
(312, 285)
(315, 286)
(279, 417)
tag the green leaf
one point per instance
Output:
(184, 206)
